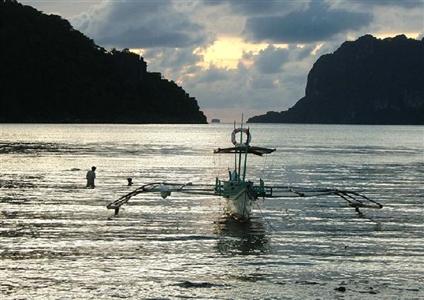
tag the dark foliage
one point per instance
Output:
(368, 81)
(51, 72)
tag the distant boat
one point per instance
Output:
(215, 121)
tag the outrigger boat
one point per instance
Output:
(240, 193)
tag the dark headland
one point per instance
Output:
(51, 72)
(367, 81)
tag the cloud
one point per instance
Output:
(171, 58)
(260, 7)
(212, 75)
(140, 24)
(271, 59)
(271, 79)
(300, 53)
(246, 88)
(397, 3)
(263, 82)
(318, 22)
(257, 7)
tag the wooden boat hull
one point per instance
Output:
(239, 205)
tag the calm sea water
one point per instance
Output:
(58, 240)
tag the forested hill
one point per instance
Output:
(50, 72)
(367, 81)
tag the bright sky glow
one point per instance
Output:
(138, 51)
(383, 35)
(227, 52)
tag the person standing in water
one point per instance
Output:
(91, 175)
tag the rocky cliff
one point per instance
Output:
(367, 81)
(50, 72)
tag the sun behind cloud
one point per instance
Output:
(226, 52)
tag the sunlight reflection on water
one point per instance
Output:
(57, 239)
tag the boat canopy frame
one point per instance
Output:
(245, 149)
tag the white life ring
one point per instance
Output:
(246, 132)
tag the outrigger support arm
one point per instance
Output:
(353, 198)
(165, 189)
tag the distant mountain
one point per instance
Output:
(367, 81)
(50, 72)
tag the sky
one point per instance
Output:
(241, 56)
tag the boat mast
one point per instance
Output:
(245, 160)
(241, 142)
(235, 154)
